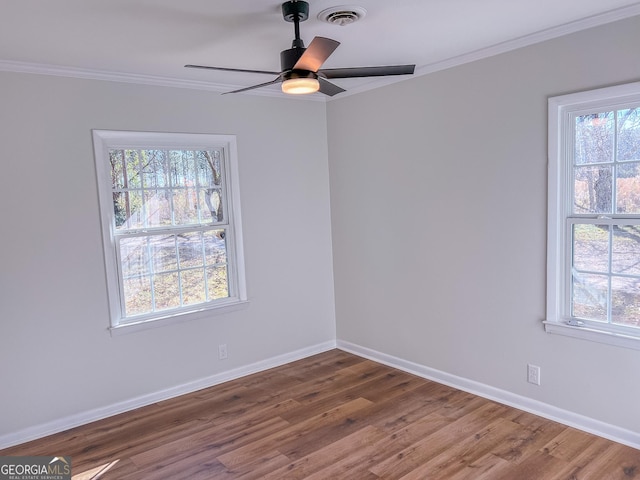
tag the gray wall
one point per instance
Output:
(56, 356)
(438, 196)
(438, 222)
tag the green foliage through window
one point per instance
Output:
(155, 190)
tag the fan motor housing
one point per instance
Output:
(289, 57)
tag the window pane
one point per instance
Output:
(190, 250)
(211, 205)
(163, 253)
(193, 288)
(185, 206)
(594, 138)
(120, 209)
(215, 247)
(157, 208)
(217, 282)
(626, 250)
(629, 134)
(208, 166)
(625, 301)
(133, 162)
(166, 288)
(116, 159)
(628, 188)
(593, 187)
(128, 212)
(591, 248)
(182, 168)
(134, 256)
(137, 294)
(590, 296)
(154, 169)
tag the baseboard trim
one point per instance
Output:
(82, 418)
(581, 422)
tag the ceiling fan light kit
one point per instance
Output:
(301, 84)
(300, 66)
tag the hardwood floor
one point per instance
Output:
(334, 416)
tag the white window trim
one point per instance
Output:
(103, 141)
(560, 113)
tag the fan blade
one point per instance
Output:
(329, 88)
(232, 69)
(367, 71)
(316, 54)
(255, 86)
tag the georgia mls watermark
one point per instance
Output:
(35, 468)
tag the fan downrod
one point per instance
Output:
(294, 11)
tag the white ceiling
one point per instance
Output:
(151, 40)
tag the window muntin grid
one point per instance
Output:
(168, 210)
(603, 223)
(171, 226)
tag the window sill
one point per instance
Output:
(592, 334)
(132, 327)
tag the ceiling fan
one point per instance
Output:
(301, 72)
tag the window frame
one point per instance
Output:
(562, 111)
(106, 140)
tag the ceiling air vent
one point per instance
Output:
(342, 15)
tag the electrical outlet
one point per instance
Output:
(533, 374)
(222, 351)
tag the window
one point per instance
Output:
(593, 284)
(170, 212)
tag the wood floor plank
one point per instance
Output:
(322, 388)
(568, 444)
(537, 464)
(389, 384)
(219, 439)
(465, 452)
(355, 466)
(320, 365)
(327, 456)
(214, 442)
(197, 467)
(259, 465)
(425, 449)
(333, 416)
(617, 462)
(416, 404)
(482, 468)
(577, 467)
(526, 441)
(319, 424)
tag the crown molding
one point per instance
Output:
(74, 72)
(532, 39)
(509, 45)
(159, 81)
(503, 47)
